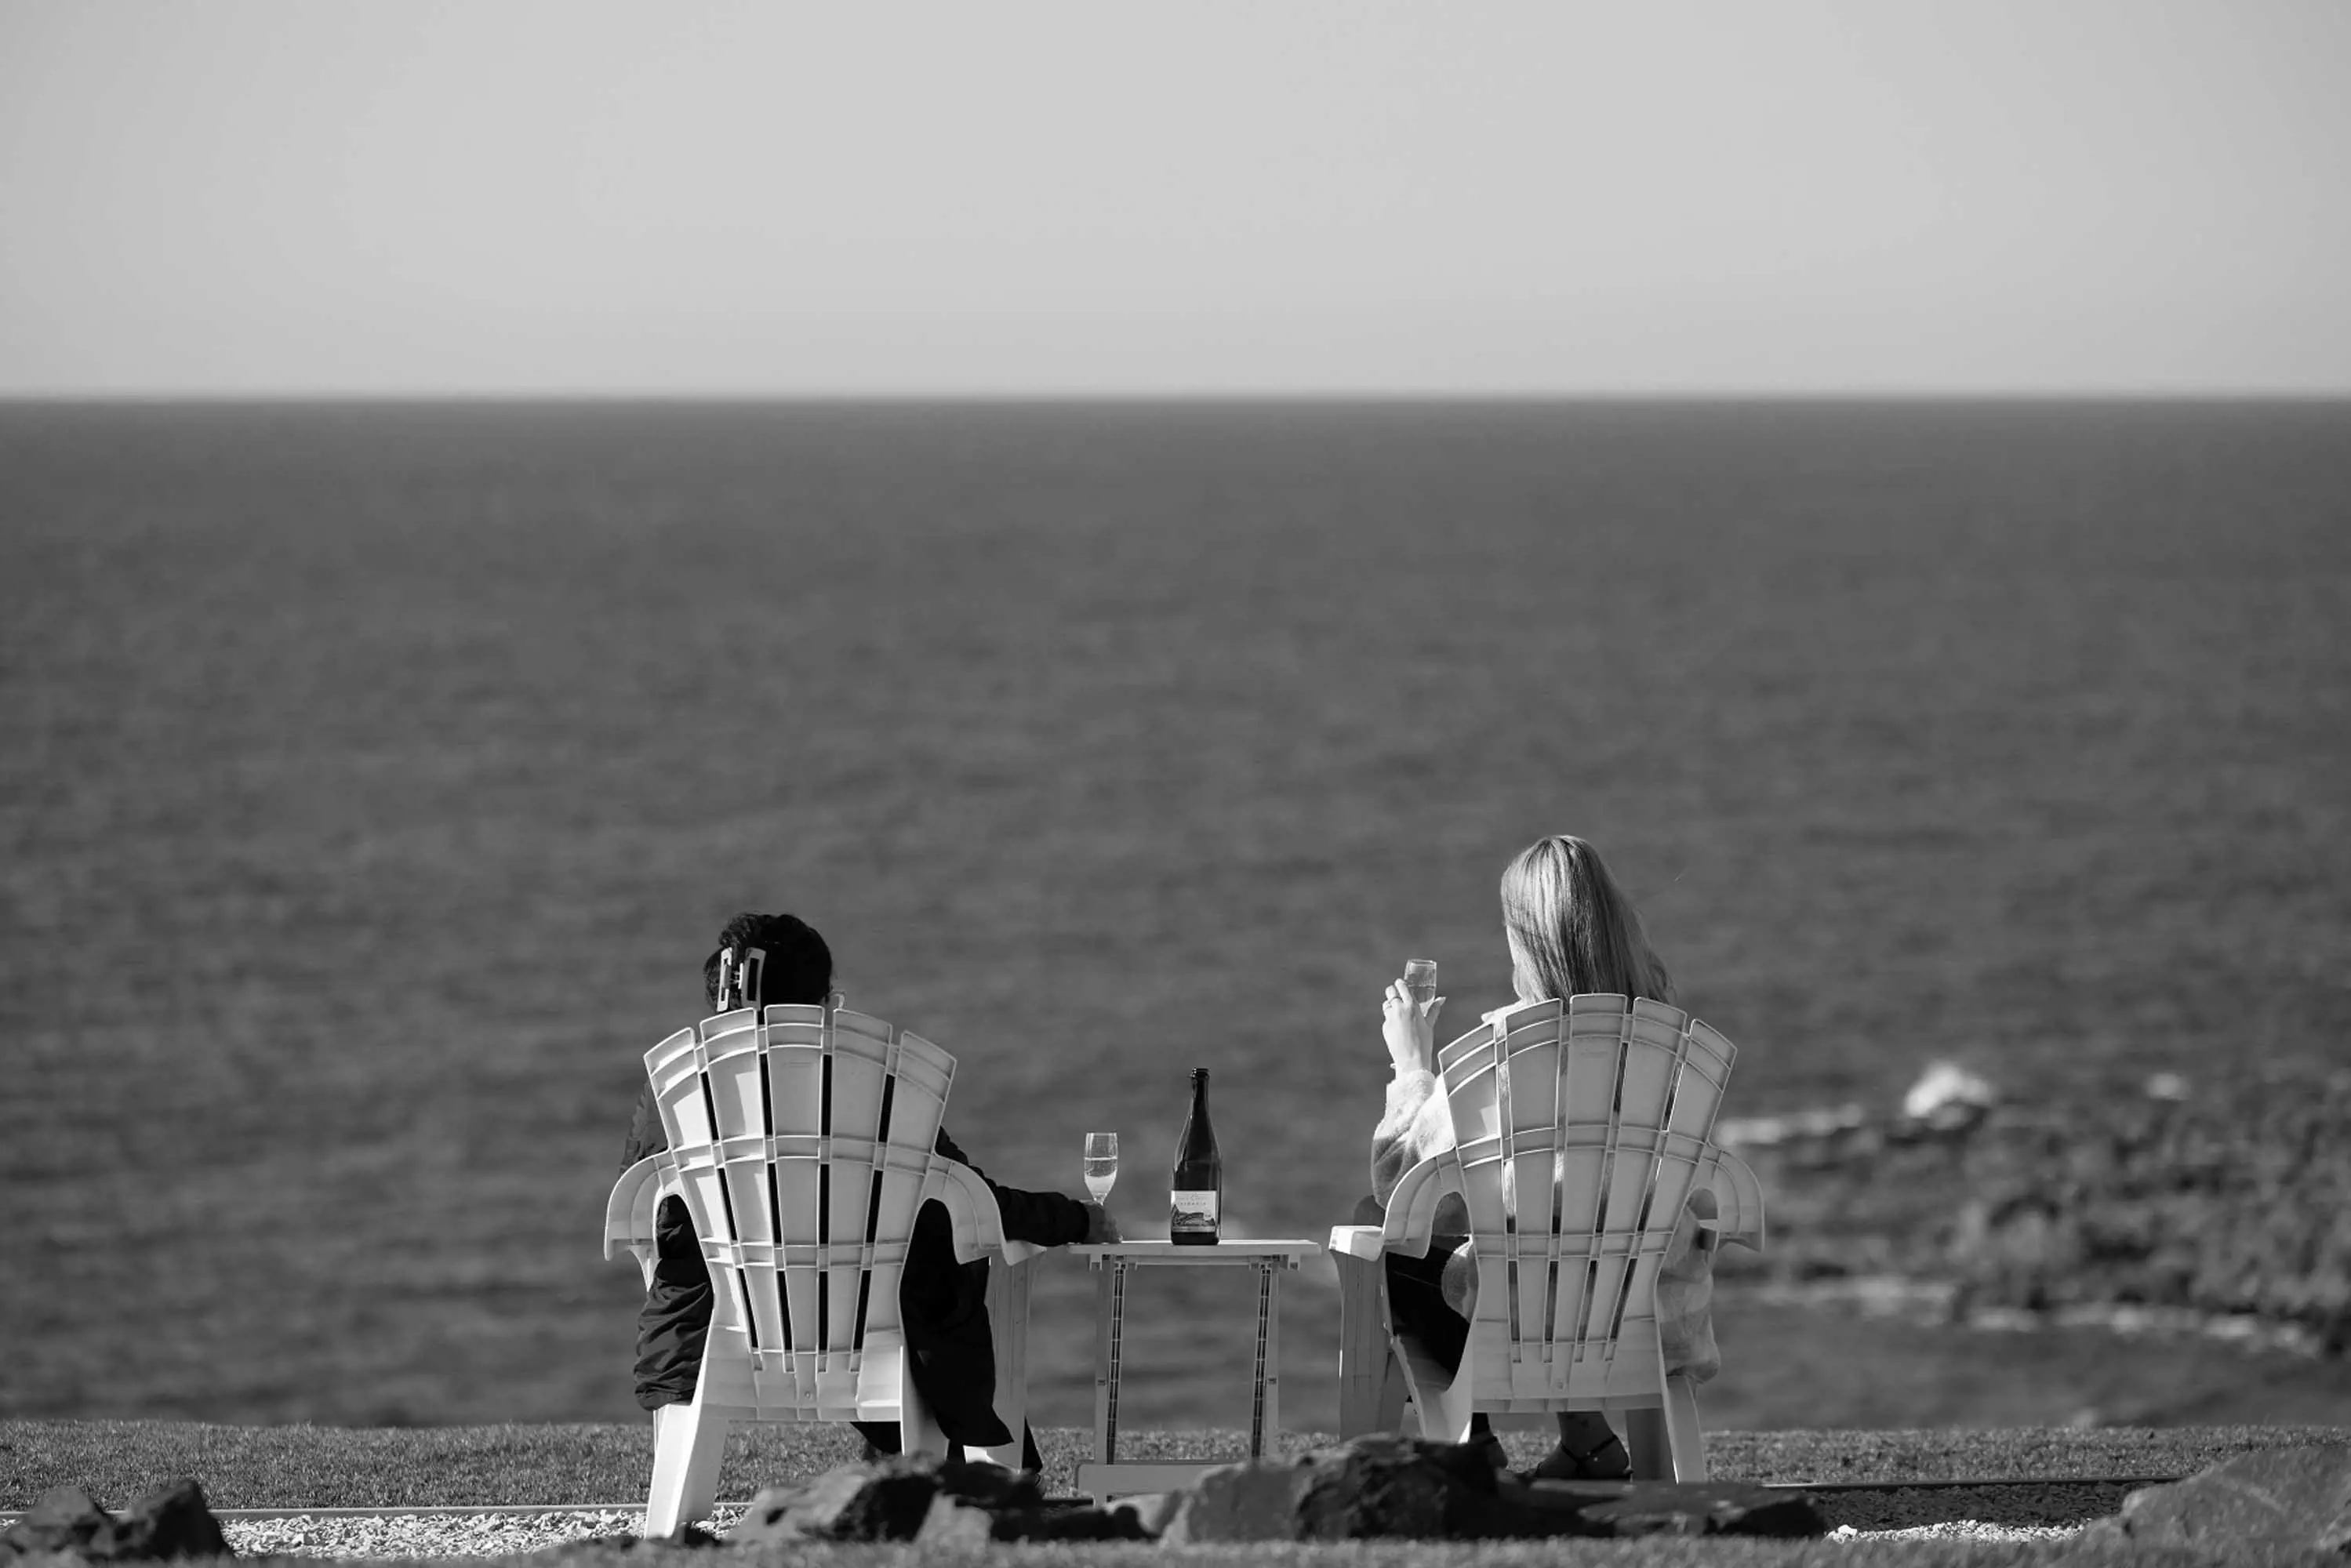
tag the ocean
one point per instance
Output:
(374, 779)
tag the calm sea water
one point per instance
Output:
(374, 781)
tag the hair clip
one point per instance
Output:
(739, 976)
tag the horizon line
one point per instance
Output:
(1062, 398)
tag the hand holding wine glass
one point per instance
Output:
(1408, 1018)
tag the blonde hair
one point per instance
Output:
(1571, 928)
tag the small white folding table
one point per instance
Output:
(1111, 1263)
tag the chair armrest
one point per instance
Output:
(629, 1211)
(1738, 1199)
(979, 1226)
(1364, 1241)
(1411, 1208)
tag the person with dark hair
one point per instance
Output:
(1570, 932)
(781, 960)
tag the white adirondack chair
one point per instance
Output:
(801, 1141)
(1581, 1129)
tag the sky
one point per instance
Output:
(1252, 197)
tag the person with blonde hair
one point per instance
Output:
(1572, 932)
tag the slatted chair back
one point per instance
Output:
(802, 1141)
(1582, 1129)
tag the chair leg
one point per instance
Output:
(1684, 1436)
(1644, 1433)
(689, 1443)
(918, 1429)
(1390, 1409)
(1366, 1361)
(1445, 1408)
(1408, 1375)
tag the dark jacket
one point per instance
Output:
(943, 1304)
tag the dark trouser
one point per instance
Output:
(1416, 1301)
(942, 1304)
(1416, 1307)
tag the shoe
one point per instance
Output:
(1605, 1460)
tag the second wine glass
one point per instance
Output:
(1102, 1164)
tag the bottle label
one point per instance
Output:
(1192, 1213)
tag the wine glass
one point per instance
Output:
(1102, 1164)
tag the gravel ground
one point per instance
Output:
(2039, 1507)
(433, 1534)
(1959, 1530)
(2038, 1512)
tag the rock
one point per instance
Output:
(63, 1520)
(1112, 1523)
(952, 1522)
(1382, 1486)
(990, 1486)
(1153, 1511)
(1393, 1487)
(768, 1518)
(884, 1501)
(1388, 1486)
(956, 1523)
(2289, 1498)
(1947, 1098)
(903, 1498)
(1256, 1501)
(170, 1521)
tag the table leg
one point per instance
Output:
(1267, 1428)
(1117, 1327)
(1102, 1359)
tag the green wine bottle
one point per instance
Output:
(1196, 1190)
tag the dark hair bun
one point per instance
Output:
(798, 967)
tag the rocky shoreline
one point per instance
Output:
(2224, 1211)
